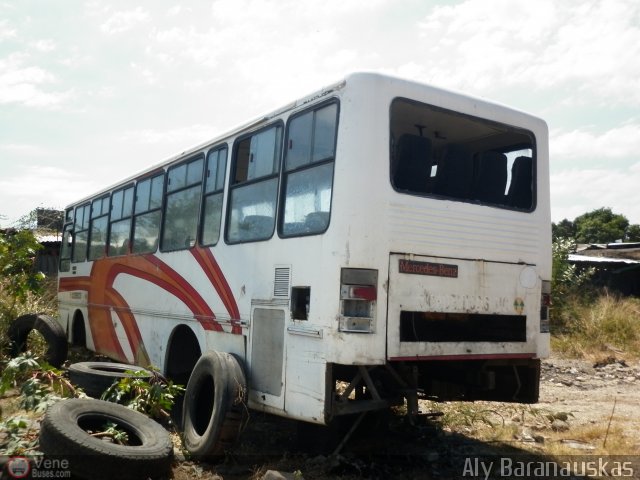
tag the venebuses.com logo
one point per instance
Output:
(18, 467)
(37, 467)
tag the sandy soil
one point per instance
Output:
(576, 397)
(600, 393)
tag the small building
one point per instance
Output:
(47, 258)
(616, 265)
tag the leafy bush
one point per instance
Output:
(153, 396)
(39, 383)
(22, 289)
(17, 254)
(566, 279)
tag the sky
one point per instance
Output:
(92, 92)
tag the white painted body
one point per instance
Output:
(501, 255)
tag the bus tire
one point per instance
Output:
(52, 332)
(64, 433)
(95, 377)
(215, 409)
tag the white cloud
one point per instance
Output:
(23, 149)
(618, 143)
(178, 138)
(23, 84)
(149, 77)
(41, 186)
(44, 46)
(175, 10)
(124, 20)
(591, 46)
(6, 31)
(577, 191)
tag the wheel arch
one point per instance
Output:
(78, 329)
(182, 353)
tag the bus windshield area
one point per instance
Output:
(444, 154)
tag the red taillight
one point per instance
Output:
(545, 304)
(360, 292)
(358, 295)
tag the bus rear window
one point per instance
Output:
(439, 153)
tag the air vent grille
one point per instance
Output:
(281, 282)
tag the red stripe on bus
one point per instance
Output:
(480, 356)
(155, 271)
(105, 339)
(130, 326)
(75, 283)
(213, 272)
(177, 285)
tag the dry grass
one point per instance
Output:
(591, 328)
(44, 302)
(530, 429)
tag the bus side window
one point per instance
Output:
(308, 176)
(81, 233)
(98, 230)
(213, 193)
(120, 226)
(147, 214)
(184, 185)
(254, 189)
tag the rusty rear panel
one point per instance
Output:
(457, 308)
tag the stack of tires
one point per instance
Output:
(214, 412)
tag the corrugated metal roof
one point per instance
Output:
(586, 258)
(48, 238)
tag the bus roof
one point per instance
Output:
(316, 95)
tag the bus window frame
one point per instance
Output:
(166, 193)
(503, 126)
(149, 176)
(284, 173)
(123, 188)
(93, 218)
(279, 123)
(76, 232)
(221, 191)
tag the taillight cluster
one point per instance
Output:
(545, 305)
(358, 296)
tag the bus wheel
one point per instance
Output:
(78, 429)
(48, 327)
(214, 405)
(95, 377)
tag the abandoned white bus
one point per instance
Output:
(375, 242)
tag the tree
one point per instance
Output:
(563, 229)
(600, 226)
(41, 219)
(633, 233)
(566, 277)
(17, 275)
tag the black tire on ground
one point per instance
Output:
(215, 408)
(95, 377)
(48, 327)
(64, 435)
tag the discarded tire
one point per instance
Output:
(214, 405)
(64, 434)
(95, 377)
(48, 327)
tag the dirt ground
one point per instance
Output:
(585, 408)
(595, 393)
